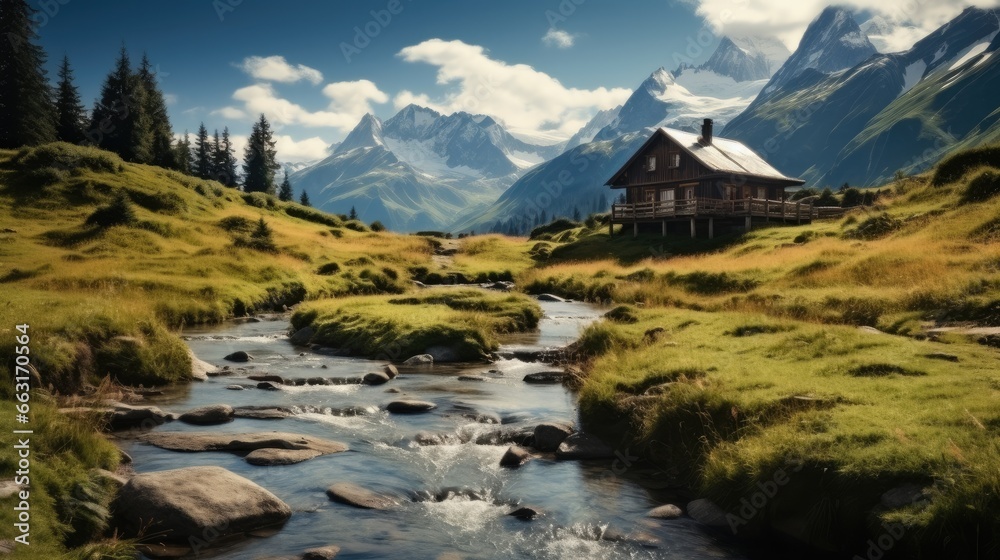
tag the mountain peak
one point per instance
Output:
(738, 63)
(832, 42)
(658, 81)
(367, 134)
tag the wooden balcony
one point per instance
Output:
(778, 210)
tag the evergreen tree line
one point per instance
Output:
(129, 118)
(521, 225)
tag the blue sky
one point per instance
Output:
(541, 66)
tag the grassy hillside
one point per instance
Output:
(106, 260)
(761, 355)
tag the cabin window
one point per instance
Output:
(667, 195)
(674, 160)
(649, 195)
(761, 192)
(650, 163)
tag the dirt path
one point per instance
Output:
(443, 256)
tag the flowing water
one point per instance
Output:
(581, 501)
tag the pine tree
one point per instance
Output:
(119, 122)
(260, 159)
(27, 114)
(216, 154)
(285, 192)
(202, 166)
(304, 199)
(227, 160)
(353, 215)
(71, 123)
(182, 154)
(576, 214)
(155, 108)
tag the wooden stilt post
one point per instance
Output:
(748, 218)
(635, 229)
(798, 212)
(664, 228)
(692, 229)
(711, 228)
(611, 228)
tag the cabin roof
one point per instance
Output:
(721, 156)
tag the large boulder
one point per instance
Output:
(321, 553)
(354, 495)
(195, 504)
(391, 371)
(580, 446)
(548, 435)
(208, 415)
(200, 369)
(666, 511)
(410, 406)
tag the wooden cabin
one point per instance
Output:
(677, 178)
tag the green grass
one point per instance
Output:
(395, 328)
(870, 411)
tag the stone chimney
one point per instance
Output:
(706, 132)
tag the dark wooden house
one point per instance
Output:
(678, 177)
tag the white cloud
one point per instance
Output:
(170, 98)
(230, 113)
(518, 94)
(788, 20)
(289, 150)
(349, 101)
(277, 69)
(558, 39)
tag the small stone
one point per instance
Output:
(551, 297)
(302, 337)
(548, 435)
(322, 553)
(419, 360)
(270, 457)
(208, 415)
(410, 406)
(515, 457)
(546, 377)
(666, 511)
(580, 446)
(471, 378)
(391, 371)
(235, 387)
(267, 386)
(266, 377)
(238, 356)
(354, 495)
(375, 378)
(525, 513)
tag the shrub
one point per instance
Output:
(556, 226)
(65, 156)
(954, 167)
(356, 225)
(261, 239)
(622, 314)
(803, 193)
(166, 202)
(984, 186)
(709, 283)
(260, 200)
(377, 226)
(236, 224)
(313, 215)
(884, 370)
(826, 198)
(852, 198)
(875, 227)
(119, 212)
(328, 269)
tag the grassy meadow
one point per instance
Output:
(806, 347)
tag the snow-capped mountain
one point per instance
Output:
(419, 169)
(662, 100)
(899, 111)
(593, 126)
(596, 151)
(832, 42)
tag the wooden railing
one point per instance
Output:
(711, 207)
